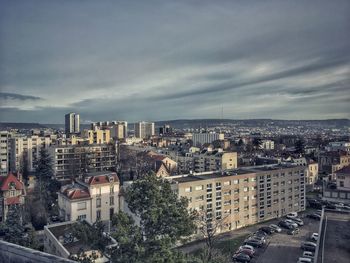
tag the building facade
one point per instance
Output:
(242, 197)
(4, 153)
(97, 136)
(72, 123)
(95, 197)
(12, 192)
(214, 161)
(74, 160)
(144, 130)
(208, 137)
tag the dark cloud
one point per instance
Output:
(14, 96)
(174, 59)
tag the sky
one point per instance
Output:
(164, 60)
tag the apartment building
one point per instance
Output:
(214, 161)
(12, 192)
(207, 137)
(95, 197)
(117, 129)
(74, 160)
(4, 155)
(96, 136)
(72, 123)
(241, 197)
(267, 145)
(144, 130)
(25, 150)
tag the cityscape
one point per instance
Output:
(174, 131)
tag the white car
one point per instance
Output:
(314, 236)
(276, 228)
(292, 214)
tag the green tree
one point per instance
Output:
(44, 170)
(129, 238)
(164, 221)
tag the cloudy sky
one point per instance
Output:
(158, 60)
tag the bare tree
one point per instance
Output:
(210, 226)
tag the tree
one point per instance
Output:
(44, 170)
(14, 231)
(164, 220)
(299, 146)
(209, 228)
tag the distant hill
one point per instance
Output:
(195, 123)
(20, 125)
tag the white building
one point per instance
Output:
(144, 129)
(267, 145)
(209, 137)
(96, 197)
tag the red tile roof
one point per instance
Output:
(12, 200)
(76, 193)
(5, 182)
(102, 179)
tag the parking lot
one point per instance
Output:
(285, 248)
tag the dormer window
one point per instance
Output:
(12, 186)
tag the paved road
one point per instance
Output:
(286, 248)
(337, 240)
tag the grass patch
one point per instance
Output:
(231, 245)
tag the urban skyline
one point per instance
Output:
(164, 60)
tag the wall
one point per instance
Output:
(17, 254)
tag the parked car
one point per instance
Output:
(260, 233)
(304, 260)
(285, 225)
(292, 214)
(293, 231)
(308, 254)
(314, 237)
(245, 251)
(314, 216)
(291, 222)
(298, 221)
(247, 247)
(267, 230)
(253, 243)
(241, 257)
(275, 227)
(259, 238)
(308, 246)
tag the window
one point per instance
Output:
(227, 183)
(218, 195)
(227, 192)
(253, 179)
(81, 206)
(218, 185)
(98, 202)
(98, 214)
(81, 217)
(245, 189)
(111, 200)
(199, 187)
(341, 183)
(12, 193)
(227, 202)
(236, 181)
(188, 189)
